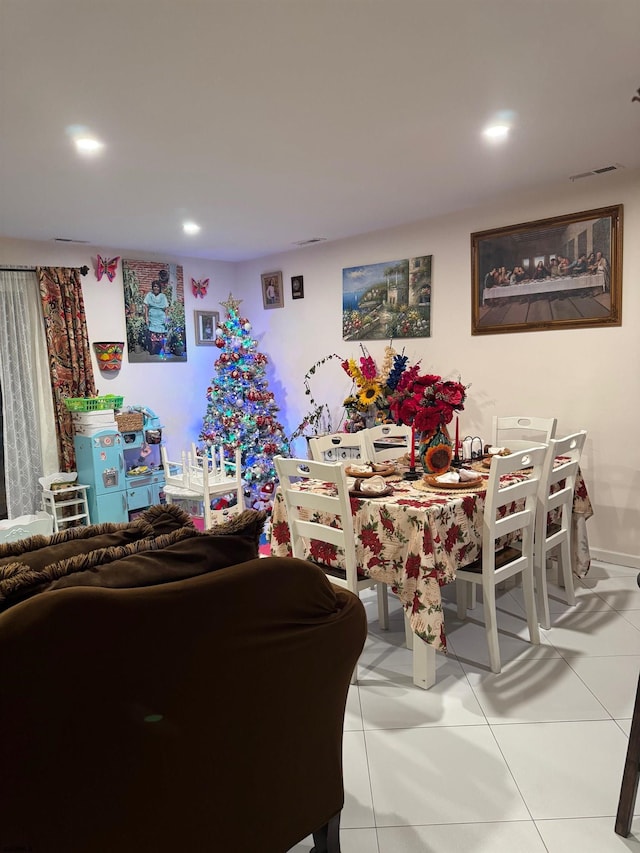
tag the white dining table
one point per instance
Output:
(414, 540)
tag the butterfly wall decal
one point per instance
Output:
(107, 266)
(199, 287)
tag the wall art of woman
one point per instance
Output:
(155, 306)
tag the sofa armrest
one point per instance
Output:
(203, 711)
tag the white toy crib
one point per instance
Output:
(24, 526)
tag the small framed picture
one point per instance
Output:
(272, 295)
(297, 287)
(206, 323)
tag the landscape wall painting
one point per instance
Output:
(387, 300)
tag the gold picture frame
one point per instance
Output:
(564, 272)
(272, 293)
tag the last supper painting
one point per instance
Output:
(560, 273)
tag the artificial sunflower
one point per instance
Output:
(369, 393)
(438, 458)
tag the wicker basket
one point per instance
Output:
(130, 421)
(92, 404)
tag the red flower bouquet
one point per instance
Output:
(426, 402)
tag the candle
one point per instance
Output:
(457, 436)
(412, 452)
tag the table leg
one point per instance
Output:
(424, 663)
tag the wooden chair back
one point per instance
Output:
(514, 432)
(393, 450)
(337, 447)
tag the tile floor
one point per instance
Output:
(522, 762)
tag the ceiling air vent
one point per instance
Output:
(600, 171)
(68, 240)
(309, 242)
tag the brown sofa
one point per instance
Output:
(201, 711)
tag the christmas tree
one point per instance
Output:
(240, 408)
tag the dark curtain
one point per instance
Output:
(68, 348)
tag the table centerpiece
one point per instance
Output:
(427, 403)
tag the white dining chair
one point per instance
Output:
(199, 480)
(337, 447)
(313, 516)
(555, 493)
(510, 510)
(223, 471)
(516, 432)
(383, 432)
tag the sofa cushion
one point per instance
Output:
(179, 554)
(38, 551)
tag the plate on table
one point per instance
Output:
(481, 465)
(432, 480)
(376, 471)
(356, 493)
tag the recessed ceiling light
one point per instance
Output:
(88, 144)
(190, 228)
(496, 132)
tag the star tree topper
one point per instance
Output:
(232, 304)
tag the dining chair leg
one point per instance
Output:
(491, 624)
(408, 633)
(424, 664)
(530, 606)
(542, 594)
(462, 597)
(383, 606)
(565, 572)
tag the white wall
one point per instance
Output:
(176, 392)
(587, 378)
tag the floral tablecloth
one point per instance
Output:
(414, 541)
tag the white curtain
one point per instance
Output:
(29, 428)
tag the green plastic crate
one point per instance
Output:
(93, 404)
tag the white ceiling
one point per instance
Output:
(274, 121)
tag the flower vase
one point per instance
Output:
(435, 450)
(370, 417)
